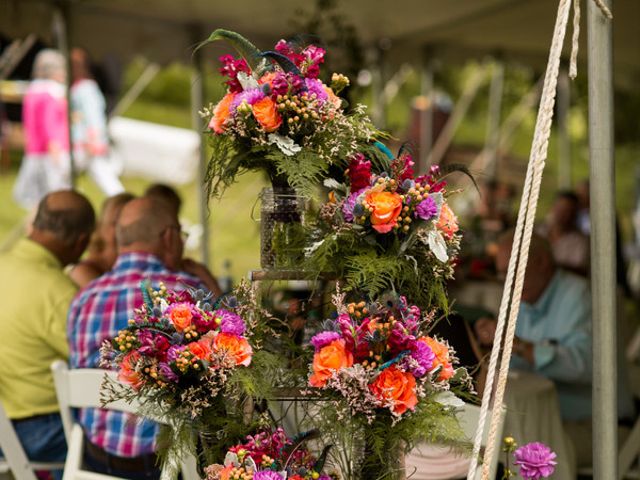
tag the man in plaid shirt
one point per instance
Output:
(150, 247)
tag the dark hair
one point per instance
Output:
(165, 193)
(567, 195)
(68, 221)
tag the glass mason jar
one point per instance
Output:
(281, 231)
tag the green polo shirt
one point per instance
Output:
(35, 295)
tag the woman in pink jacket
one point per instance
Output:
(46, 165)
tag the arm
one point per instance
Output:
(202, 272)
(568, 357)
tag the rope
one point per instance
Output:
(573, 64)
(524, 228)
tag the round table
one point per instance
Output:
(533, 415)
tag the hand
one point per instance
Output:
(199, 270)
(485, 329)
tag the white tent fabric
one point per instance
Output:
(163, 30)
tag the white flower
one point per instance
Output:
(448, 399)
(247, 81)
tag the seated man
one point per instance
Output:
(36, 295)
(149, 248)
(553, 337)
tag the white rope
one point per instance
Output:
(520, 250)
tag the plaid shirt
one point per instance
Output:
(97, 313)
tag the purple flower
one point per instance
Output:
(230, 322)
(250, 96)
(348, 206)
(426, 209)
(536, 461)
(324, 338)
(316, 86)
(423, 356)
(167, 373)
(267, 475)
(174, 352)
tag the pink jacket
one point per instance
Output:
(44, 117)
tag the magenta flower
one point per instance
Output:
(359, 172)
(423, 358)
(535, 460)
(153, 345)
(280, 84)
(230, 322)
(267, 475)
(250, 96)
(174, 352)
(426, 209)
(317, 87)
(230, 68)
(324, 338)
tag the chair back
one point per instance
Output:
(14, 456)
(80, 388)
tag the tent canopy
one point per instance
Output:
(165, 30)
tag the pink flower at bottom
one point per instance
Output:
(535, 460)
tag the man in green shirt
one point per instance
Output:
(36, 295)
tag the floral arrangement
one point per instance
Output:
(192, 361)
(176, 343)
(386, 231)
(535, 460)
(270, 455)
(382, 372)
(278, 115)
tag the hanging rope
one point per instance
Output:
(510, 304)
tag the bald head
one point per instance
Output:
(63, 224)
(142, 220)
(150, 225)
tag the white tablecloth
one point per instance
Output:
(533, 414)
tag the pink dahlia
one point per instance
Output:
(535, 460)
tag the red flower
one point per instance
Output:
(359, 172)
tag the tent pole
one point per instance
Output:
(426, 113)
(62, 33)
(496, 90)
(564, 144)
(198, 94)
(603, 268)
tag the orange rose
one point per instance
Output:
(267, 78)
(234, 345)
(397, 387)
(128, 373)
(266, 114)
(332, 98)
(221, 113)
(386, 208)
(441, 351)
(448, 222)
(330, 358)
(201, 349)
(181, 316)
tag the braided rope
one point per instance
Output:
(522, 239)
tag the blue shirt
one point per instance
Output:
(559, 326)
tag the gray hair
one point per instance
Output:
(48, 63)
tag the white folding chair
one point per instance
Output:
(438, 462)
(15, 460)
(630, 450)
(80, 388)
